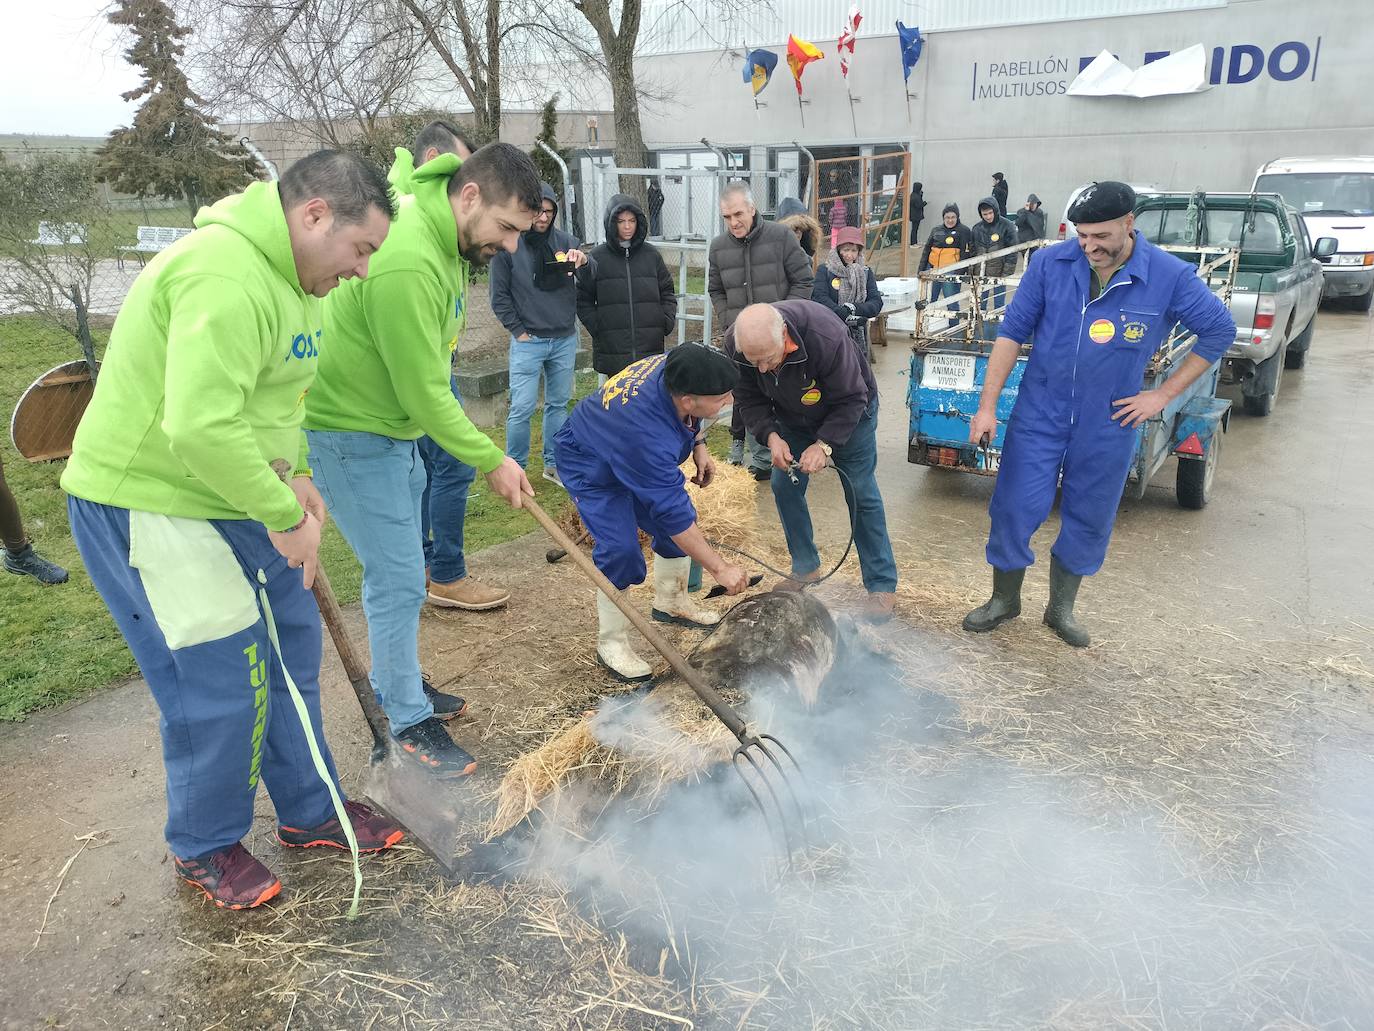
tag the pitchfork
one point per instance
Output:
(756, 760)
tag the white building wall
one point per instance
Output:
(992, 99)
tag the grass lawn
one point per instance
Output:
(118, 227)
(59, 643)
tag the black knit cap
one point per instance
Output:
(697, 369)
(1102, 202)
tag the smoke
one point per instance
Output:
(945, 887)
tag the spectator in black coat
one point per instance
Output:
(847, 287)
(655, 209)
(628, 303)
(1000, 189)
(918, 213)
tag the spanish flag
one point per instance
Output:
(799, 54)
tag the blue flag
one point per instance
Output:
(758, 68)
(911, 43)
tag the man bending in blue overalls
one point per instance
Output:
(618, 455)
(1097, 309)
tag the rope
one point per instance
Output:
(788, 576)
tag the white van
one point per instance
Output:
(1067, 230)
(1335, 197)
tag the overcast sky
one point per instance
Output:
(61, 69)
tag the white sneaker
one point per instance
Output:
(672, 603)
(613, 644)
(551, 474)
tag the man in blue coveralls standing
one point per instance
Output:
(1097, 309)
(618, 456)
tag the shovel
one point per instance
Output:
(390, 784)
(756, 760)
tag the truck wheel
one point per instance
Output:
(1365, 301)
(1295, 359)
(1194, 482)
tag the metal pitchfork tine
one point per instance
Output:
(784, 811)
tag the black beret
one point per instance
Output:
(1102, 202)
(698, 369)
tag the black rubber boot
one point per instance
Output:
(1059, 613)
(1004, 604)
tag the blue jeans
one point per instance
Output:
(940, 289)
(228, 719)
(992, 325)
(443, 508)
(373, 485)
(556, 359)
(858, 460)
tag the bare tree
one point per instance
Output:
(327, 68)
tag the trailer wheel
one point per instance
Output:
(1194, 482)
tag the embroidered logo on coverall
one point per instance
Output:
(625, 384)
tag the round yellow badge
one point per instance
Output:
(560, 256)
(996, 237)
(1101, 331)
(811, 397)
(835, 283)
(949, 239)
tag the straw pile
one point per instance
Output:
(684, 741)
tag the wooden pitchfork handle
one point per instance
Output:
(705, 691)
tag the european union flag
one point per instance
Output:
(758, 68)
(911, 42)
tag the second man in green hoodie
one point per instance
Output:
(384, 382)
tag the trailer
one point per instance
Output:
(949, 359)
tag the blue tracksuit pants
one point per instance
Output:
(613, 514)
(184, 593)
(1093, 461)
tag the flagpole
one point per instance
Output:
(801, 109)
(852, 120)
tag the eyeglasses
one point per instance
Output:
(547, 212)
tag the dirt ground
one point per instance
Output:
(1228, 695)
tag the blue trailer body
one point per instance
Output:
(947, 382)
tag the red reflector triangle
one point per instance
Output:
(1191, 446)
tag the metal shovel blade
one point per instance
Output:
(428, 809)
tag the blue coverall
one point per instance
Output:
(1085, 355)
(618, 455)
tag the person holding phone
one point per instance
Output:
(534, 295)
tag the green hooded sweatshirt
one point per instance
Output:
(392, 335)
(204, 380)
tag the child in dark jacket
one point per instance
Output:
(848, 288)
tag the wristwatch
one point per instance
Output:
(826, 448)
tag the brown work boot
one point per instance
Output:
(798, 581)
(466, 593)
(878, 607)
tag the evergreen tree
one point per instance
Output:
(548, 134)
(173, 149)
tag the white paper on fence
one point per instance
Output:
(1181, 72)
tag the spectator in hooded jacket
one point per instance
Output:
(655, 209)
(917, 213)
(993, 232)
(626, 301)
(1000, 189)
(1030, 221)
(793, 214)
(948, 242)
(535, 297)
(848, 288)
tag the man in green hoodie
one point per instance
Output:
(384, 382)
(202, 552)
(444, 505)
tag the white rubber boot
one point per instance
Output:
(672, 603)
(613, 644)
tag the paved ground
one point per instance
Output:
(1281, 555)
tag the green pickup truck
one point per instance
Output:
(1278, 282)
